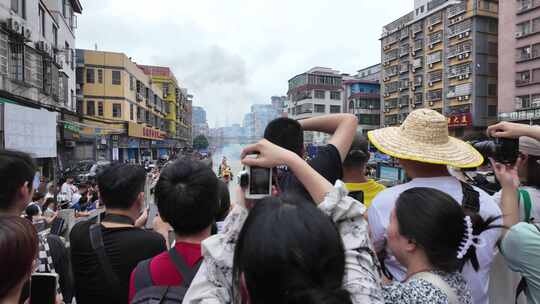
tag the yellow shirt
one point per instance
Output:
(370, 188)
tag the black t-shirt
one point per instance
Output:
(125, 247)
(327, 163)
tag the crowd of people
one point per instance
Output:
(328, 233)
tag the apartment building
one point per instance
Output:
(314, 93)
(363, 99)
(123, 108)
(443, 56)
(200, 124)
(37, 76)
(519, 63)
(372, 73)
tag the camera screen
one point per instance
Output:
(43, 289)
(259, 181)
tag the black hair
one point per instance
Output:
(359, 153)
(187, 196)
(31, 211)
(120, 185)
(48, 202)
(436, 222)
(37, 196)
(533, 171)
(224, 201)
(16, 168)
(286, 133)
(289, 251)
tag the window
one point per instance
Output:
(131, 109)
(41, 21)
(459, 28)
(90, 108)
(523, 102)
(100, 75)
(100, 108)
(320, 94)
(523, 29)
(459, 90)
(536, 51)
(434, 95)
(131, 83)
(434, 57)
(435, 76)
(64, 8)
(72, 59)
(492, 89)
(335, 95)
(15, 6)
(435, 37)
(16, 61)
(523, 77)
(165, 90)
(320, 108)
(116, 78)
(535, 101)
(55, 35)
(523, 53)
(536, 75)
(369, 119)
(90, 76)
(492, 110)
(536, 25)
(19, 9)
(459, 70)
(335, 109)
(117, 110)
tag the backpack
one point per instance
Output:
(148, 293)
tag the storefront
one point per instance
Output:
(151, 141)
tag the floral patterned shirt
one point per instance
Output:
(213, 282)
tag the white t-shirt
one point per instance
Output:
(68, 190)
(535, 202)
(379, 220)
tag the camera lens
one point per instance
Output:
(487, 148)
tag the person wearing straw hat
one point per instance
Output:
(424, 149)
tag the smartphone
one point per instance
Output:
(259, 182)
(357, 195)
(43, 288)
(507, 150)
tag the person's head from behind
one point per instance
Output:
(70, 180)
(286, 133)
(31, 211)
(356, 161)
(224, 204)
(187, 196)
(289, 252)
(18, 250)
(51, 188)
(529, 171)
(83, 188)
(430, 226)
(38, 198)
(121, 186)
(17, 171)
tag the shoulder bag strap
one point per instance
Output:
(471, 197)
(187, 273)
(96, 240)
(525, 197)
(143, 276)
(439, 283)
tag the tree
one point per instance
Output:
(200, 143)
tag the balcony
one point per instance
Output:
(460, 29)
(456, 9)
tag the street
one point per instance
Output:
(232, 153)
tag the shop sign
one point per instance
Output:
(71, 127)
(520, 115)
(460, 120)
(140, 131)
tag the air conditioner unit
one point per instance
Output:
(431, 46)
(430, 84)
(467, 55)
(467, 76)
(431, 65)
(460, 77)
(430, 28)
(466, 97)
(27, 33)
(431, 103)
(15, 26)
(165, 95)
(58, 61)
(460, 57)
(413, 89)
(413, 106)
(460, 36)
(40, 45)
(460, 98)
(467, 34)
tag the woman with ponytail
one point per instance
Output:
(433, 237)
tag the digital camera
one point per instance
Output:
(256, 181)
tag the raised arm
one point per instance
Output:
(341, 126)
(513, 130)
(509, 180)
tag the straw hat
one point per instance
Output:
(423, 137)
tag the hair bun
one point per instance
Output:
(320, 296)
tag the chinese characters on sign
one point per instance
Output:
(460, 120)
(136, 130)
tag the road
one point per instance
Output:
(232, 152)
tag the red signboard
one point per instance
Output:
(460, 120)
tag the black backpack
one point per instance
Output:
(147, 292)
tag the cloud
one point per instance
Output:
(231, 54)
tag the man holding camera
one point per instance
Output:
(425, 149)
(520, 244)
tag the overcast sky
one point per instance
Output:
(234, 53)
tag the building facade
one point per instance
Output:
(442, 56)
(519, 75)
(314, 93)
(279, 104)
(200, 124)
(124, 112)
(37, 77)
(372, 73)
(363, 99)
